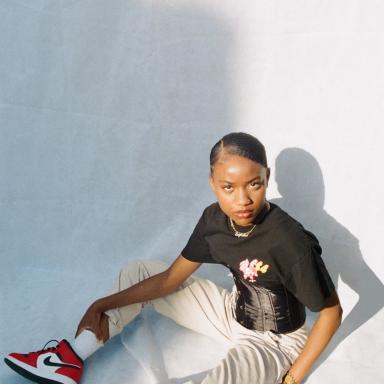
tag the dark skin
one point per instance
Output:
(154, 287)
(240, 187)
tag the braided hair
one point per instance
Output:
(241, 144)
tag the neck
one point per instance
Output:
(259, 217)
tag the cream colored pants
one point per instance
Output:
(202, 306)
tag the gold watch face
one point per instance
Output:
(289, 380)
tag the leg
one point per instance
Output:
(130, 275)
(64, 362)
(244, 364)
(258, 357)
(201, 306)
(198, 304)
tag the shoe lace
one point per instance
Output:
(44, 349)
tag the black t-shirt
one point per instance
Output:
(279, 253)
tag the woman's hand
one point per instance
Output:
(323, 329)
(96, 321)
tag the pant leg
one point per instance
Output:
(258, 357)
(198, 304)
(202, 306)
(244, 365)
(131, 274)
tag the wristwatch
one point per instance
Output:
(288, 379)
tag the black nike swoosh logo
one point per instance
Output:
(47, 361)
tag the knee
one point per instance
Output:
(136, 271)
(130, 273)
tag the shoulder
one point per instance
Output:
(213, 211)
(290, 237)
(213, 219)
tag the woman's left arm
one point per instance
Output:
(329, 319)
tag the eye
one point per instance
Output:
(256, 184)
(228, 188)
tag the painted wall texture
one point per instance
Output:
(108, 111)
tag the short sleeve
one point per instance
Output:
(197, 247)
(310, 281)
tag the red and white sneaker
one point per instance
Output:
(55, 365)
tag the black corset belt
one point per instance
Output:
(263, 309)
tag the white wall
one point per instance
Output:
(109, 109)
(310, 85)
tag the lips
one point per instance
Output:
(243, 214)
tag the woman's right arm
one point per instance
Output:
(154, 287)
(151, 288)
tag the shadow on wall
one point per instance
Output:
(301, 185)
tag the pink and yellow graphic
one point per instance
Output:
(251, 269)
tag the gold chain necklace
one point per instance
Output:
(241, 234)
(245, 234)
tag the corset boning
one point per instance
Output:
(263, 309)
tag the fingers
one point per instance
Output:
(98, 324)
(104, 327)
(83, 328)
(100, 337)
(100, 333)
(78, 331)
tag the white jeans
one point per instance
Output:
(202, 306)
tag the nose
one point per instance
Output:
(242, 197)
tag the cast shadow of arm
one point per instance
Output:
(301, 185)
(349, 265)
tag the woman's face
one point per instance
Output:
(240, 186)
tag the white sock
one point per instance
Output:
(86, 344)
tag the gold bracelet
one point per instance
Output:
(289, 379)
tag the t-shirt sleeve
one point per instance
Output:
(309, 279)
(197, 248)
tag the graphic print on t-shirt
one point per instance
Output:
(251, 269)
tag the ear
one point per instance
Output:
(268, 170)
(210, 179)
